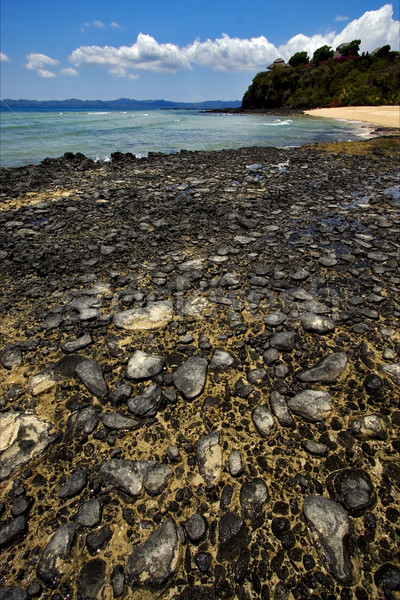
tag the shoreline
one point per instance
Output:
(173, 309)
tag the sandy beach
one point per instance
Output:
(384, 116)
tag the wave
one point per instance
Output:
(278, 123)
(98, 113)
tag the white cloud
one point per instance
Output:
(374, 28)
(4, 57)
(116, 25)
(37, 62)
(145, 54)
(69, 71)
(95, 23)
(341, 18)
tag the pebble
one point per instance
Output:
(263, 420)
(143, 366)
(209, 457)
(311, 405)
(190, 378)
(146, 405)
(327, 370)
(58, 549)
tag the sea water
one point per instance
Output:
(27, 136)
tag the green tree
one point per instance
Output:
(298, 59)
(321, 54)
(352, 48)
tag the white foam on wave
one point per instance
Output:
(278, 123)
(106, 159)
(98, 113)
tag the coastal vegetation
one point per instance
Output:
(329, 79)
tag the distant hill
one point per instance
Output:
(120, 104)
(340, 78)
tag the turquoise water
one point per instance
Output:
(30, 136)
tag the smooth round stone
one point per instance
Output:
(327, 370)
(190, 378)
(274, 319)
(263, 420)
(312, 405)
(284, 341)
(314, 448)
(235, 463)
(372, 382)
(353, 488)
(253, 496)
(195, 528)
(280, 410)
(221, 359)
(89, 513)
(317, 323)
(143, 366)
(369, 426)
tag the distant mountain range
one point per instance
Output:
(120, 104)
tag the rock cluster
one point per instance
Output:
(200, 358)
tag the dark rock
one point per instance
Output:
(74, 485)
(154, 561)
(89, 513)
(119, 422)
(12, 530)
(388, 577)
(78, 344)
(353, 488)
(242, 565)
(121, 394)
(11, 356)
(131, 476)
(190, 378)
(317, 323)
(91, 375)
(232, 536)
(327, 370)
(373, 383)
(195, 528)
(253, 497)
(330, 529)
(118, 581)
(21, 505)
(57, 550)
(284, 341)
(97, 540)
(13, 593)
(203, 561)
(146, 405)
(314, 448)
(280, 410)
(91, 579)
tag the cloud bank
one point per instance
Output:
(374, 28)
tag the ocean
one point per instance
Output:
(27, 136)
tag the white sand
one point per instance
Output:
(384, 116)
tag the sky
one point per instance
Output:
(175, 50)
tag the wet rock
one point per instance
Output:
(273, 319)
(131, 476)
(78, 344)
(242, 565)
(263, 420)
(221, 360)
(388, 578)
(327, 370)
(91, 375)
(143, 366)
(98, 539)
(312, 405)
(232, 536)
(11, 531)
(21, 505)
(353, 489)
(284, 341)
(121, 394)
(209, 457)
(369, 426)
(190, 378)
(393, 371)
(154, 316)
(330, 529)
(11, 356)
(118, 581)
(91, 579)
(154, 561)
(57, 550)
(89, 513)
(74, 485)
(317, 323)
(270, 356)
(280, 410)
(146, 405)
(13, 593)
(23, 437)
(253, 497)
(195, 528)
(314, 448)
(373, 383)
(119, 422)
(235, 463)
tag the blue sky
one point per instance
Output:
(176, 50)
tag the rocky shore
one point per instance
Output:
(200, 373)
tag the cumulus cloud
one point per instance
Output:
(145, 54)
(69, 71)
(374, 28)
(37, 62)
(4, 57)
